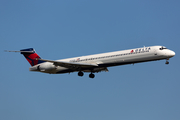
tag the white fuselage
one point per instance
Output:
(109, 59)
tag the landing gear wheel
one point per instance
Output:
(80, 73)
(167, 62)
(91, 75)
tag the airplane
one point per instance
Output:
(97, 62)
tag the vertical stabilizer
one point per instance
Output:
(31, 56)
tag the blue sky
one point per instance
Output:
(69, 28)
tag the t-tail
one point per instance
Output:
(31, 56)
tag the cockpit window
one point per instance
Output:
(162, 48)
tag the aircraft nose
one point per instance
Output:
(171, 53)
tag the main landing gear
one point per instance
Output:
(80, 73)
(91, 75)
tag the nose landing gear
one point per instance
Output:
(167, 62)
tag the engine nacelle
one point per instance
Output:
(43, 67)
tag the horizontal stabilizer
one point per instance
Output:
(30, 56)
(20, 51)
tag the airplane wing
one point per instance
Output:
(71, 65)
